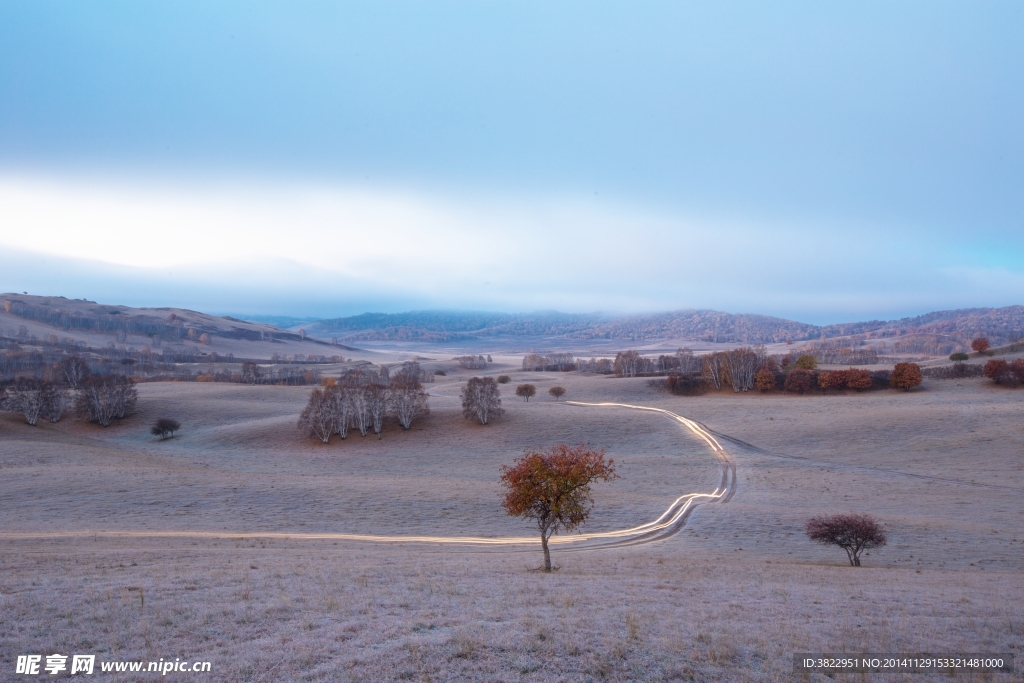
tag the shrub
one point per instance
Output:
(440, 373)
(954, 371)
(165, 428)
(824, 380)
(906, 376)
(504, 379)
(806, 362)
(684, 385)
(798, 381)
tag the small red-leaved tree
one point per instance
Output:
(980, 344)
(553, 488)
(852, 533)
(905, 376)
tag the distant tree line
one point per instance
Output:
(472, 362)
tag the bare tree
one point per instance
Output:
(852, 533)
(712, 368)
(557, 392)
(481, 399)
(319, 416)
(54, 402)
(742, 365)
(250, 373)
(355, 384)
(377, 405)
(340, 404)
(75, 370)
(408, 402)
(627, 363)
(526, 391)
(27, 397)
(105, 399)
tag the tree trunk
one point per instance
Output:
(547, 553)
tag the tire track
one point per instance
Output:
(667, 524)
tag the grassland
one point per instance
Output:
(730, 598)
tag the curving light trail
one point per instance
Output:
(665, 525)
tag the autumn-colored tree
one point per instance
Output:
(824, 380)
(995, 367)
(980, 344)
(557, 392)
(764, 380)
(553, 488)
(806, 362)
(852, 533)
(1001, 372)
(798, 381)
(905, 376)
(859, 379)
(526, 391)
(165, 428)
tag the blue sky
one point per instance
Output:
(823, 162)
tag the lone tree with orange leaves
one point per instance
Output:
(906, 376)
(553, 488)
(980, 344)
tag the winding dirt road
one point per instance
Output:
(669, 523)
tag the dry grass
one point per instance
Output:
(731, 598)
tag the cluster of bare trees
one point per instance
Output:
(105, 399)
(844, 355)
(681, 362)
(363, 401)
(35, 399)
(481, 399)
(473, 362)
(600, 366)
(100, 399)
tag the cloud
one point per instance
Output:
(324, 248)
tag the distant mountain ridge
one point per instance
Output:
(1001, 324)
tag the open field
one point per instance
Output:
(731, 597)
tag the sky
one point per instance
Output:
(820, 161)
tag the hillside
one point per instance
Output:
(27, 319)
(954, 327)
